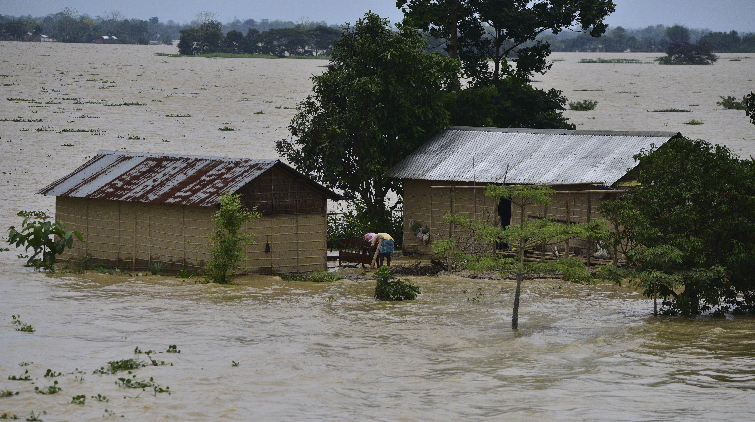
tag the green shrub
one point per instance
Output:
(314, 276)
(45, 238)
(584, 105)
(389, 287)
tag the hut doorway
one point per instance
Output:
(504, 217)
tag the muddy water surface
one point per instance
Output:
(328, 351)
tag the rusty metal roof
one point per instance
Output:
(164, 178)
(527, 156)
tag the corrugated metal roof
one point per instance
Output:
(164, 178)
(527, 156)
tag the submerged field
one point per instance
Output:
(329, 351)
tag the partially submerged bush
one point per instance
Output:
(389, 287)
(731, 103)
(47, 240)
(585, 105)
(314, 276)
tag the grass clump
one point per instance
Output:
(390, 288)
(314, 276)
(585, 105)
(156, 266)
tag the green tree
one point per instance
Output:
(689, 225)
(682, 52)
(749, 103)
(497, 29)
(46, 239)
(678, 33)
(204, 36)
(526, 235)
(380, 99)
(228, 239)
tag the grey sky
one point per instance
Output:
(717, 15)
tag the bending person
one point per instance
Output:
(383, 244)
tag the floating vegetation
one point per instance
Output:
(135, 138)
(731, 103)
(670, 110)
(226, 128)
(125, 104)
(234, 363)
(185, 274)
(138, 351)
(52, 374)
(172, 349)
(101, 398)
(97, 131)
(8, 416)
(8, 393)
(22, 120)
(601, 60)
(21, 326)
(23, 377)
(318, 276)
(53, 389)
(121, 365)
(178, 115)
(133, 383)
(585, 105)
(589, 90)
(45, 129)
(259, 112)
(693, 122)
(80, 399)
(86, 116)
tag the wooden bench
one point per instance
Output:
(355, 249)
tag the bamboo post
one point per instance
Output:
(133, 256)
(568, 220)
(589, 215)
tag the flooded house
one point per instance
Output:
(450, 171)
(134, 209)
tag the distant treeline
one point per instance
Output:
(301, 40)
(69, 26)
(653, 38)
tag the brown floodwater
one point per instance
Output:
(310, 351)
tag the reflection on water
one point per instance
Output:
(583, 352)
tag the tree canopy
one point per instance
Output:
(380, 98)
(478, 30)
(689, 225)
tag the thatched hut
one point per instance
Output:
(138, 208)
(449, 172)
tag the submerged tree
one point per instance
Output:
(380, 99)
(683, 52)
(46, 239)
(689, 225)
(526, 235)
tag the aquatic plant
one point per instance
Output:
(601, 60)
(52, 389)
(120, 365)
(23, 327)
(52, 374)
(226, 129)
(80, 399)
(694, 122)
(390, 288)
(671, 110)
(234, 363)
(584, 105)
(172, 349)
(100, 398)
(185, 274)
(23, 377)
(8, 393)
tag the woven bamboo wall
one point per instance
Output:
(130, 235)
(426, 203)
(278, 192)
